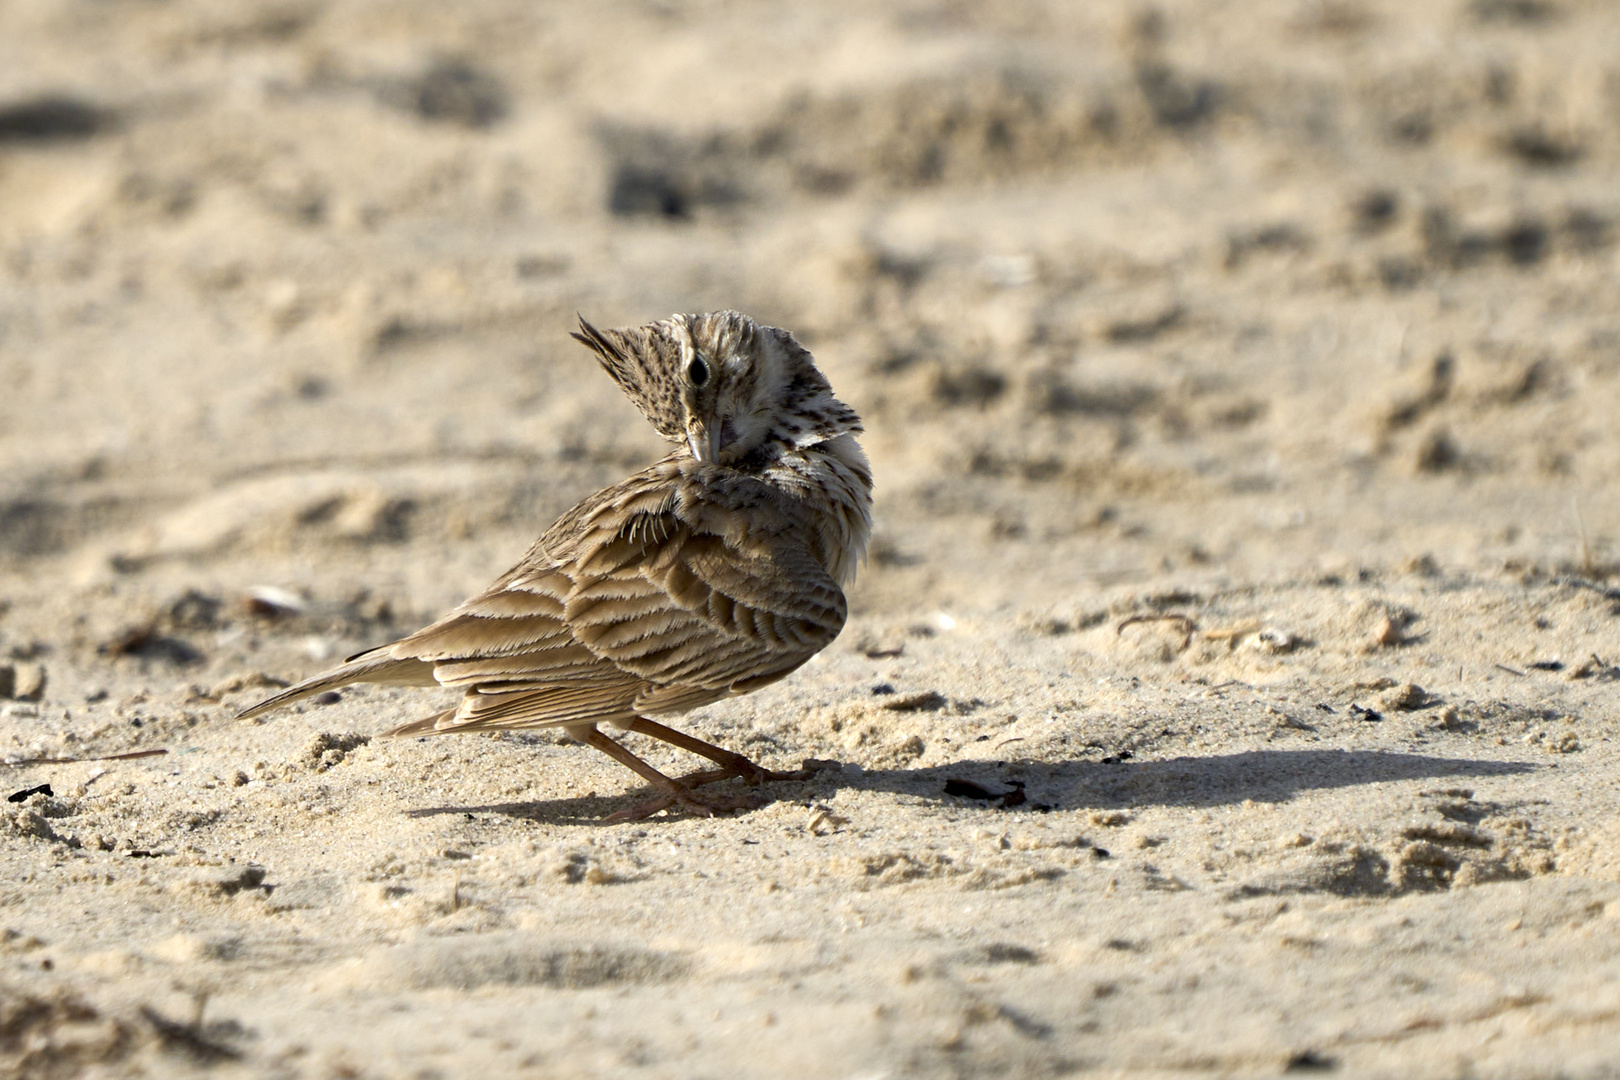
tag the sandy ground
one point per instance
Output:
(1241, 384)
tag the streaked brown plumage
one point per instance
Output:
(716, 571)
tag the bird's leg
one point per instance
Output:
(731, 764)
(675, 792)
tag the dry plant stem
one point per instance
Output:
(73, 760)
(1580, 528)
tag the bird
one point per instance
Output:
(715, 571)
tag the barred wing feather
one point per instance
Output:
(643, 610)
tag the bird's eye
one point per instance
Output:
(697, 372)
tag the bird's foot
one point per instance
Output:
(685, 799)
(753, 775)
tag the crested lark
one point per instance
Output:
(716, 571)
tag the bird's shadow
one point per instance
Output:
(1273, 776)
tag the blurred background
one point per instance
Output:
(1127, 293)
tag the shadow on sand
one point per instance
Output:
(1222, 779)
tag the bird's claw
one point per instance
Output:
(753, 775)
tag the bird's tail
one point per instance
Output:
(437, 724)
(375, 666)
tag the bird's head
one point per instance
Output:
(722, 384)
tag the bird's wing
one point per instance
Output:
(518, 660)
(647, 597)
(710, 592)
(515, 635)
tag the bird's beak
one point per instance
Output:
(705, 443)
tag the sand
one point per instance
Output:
(1233, 685)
